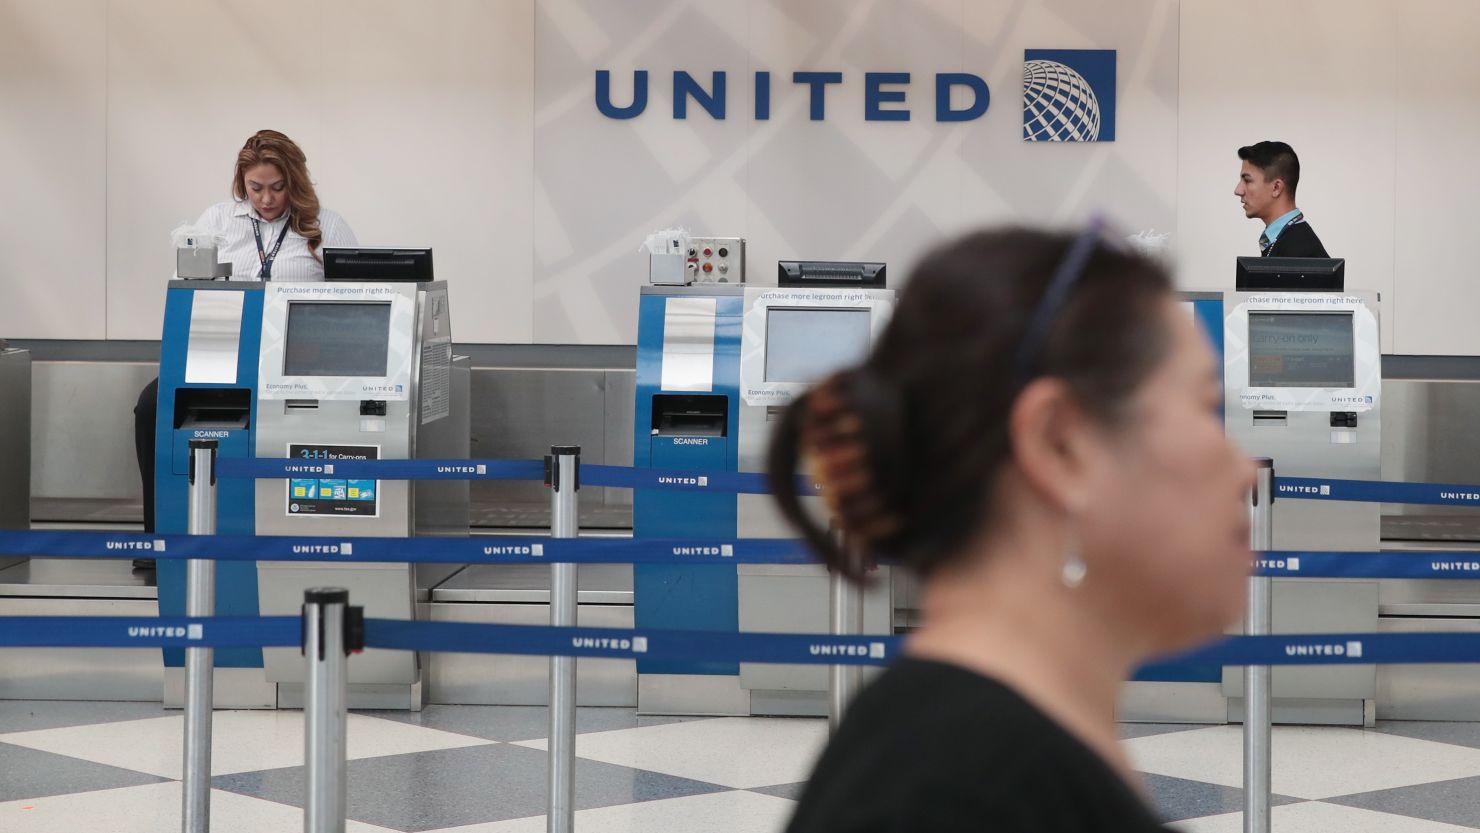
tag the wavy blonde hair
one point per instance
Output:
(269, 147)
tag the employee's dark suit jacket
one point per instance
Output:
(1297, 240)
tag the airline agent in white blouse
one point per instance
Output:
(274, 230)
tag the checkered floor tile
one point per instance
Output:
(67, 767)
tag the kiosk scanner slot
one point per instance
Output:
(690, 415)
(213, 408)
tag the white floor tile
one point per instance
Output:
(740, 752)
(1315, 817)
(731, 812)
(150, 809)
(242, 741)
(1307, 762)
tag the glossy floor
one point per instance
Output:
(113, 768)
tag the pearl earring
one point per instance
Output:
(1074, 570)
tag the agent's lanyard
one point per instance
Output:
(1264, 249)
(262, 255)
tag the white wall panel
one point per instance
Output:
(53, 105)
(1132, 181)
(845, 188)
(604, 184)
(1436, 178)
(189, 81)
(428, 141)
(1324, 79)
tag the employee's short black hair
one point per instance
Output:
(1276, 159)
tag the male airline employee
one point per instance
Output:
(1266, 186)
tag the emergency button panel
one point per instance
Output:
(716, 260)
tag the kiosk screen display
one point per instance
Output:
(805, 344)
(337, 339)
(1301, 350)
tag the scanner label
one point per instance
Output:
(333, 496)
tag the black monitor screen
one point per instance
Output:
(805, 344)
(1301, 350)
(337, 339)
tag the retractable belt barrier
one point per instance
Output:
(1375, 491)
(520, 549)
(627, 477)
(614, 643)
(539, 549)
(620, 477)
(262, 468)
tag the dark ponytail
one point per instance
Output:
(849, 425)
(907, 446)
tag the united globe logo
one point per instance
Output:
(1069, 95)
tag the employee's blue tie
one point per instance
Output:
(1264, 245)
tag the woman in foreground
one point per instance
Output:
(1037, 436)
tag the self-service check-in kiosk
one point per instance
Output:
(317, 372)
(1304, 387)
(715, 366)
(357, 371)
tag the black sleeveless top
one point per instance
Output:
(935, 747)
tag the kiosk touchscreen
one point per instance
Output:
(1304, 388)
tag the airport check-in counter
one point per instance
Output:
(1304, 387)
(715, 367)
(15, 443)
(358, 371)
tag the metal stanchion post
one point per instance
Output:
(331, 630)
(200, 600)
(846, 619)
(1257, 689)
(838, 681)
(563, 475)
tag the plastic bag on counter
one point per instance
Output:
(669, 241)
(187, 236)
(1151, 243)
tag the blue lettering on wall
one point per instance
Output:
(818, 81)
(604, 95)
(875, 96)
(685, 86)
(982, 97)
(880, 89)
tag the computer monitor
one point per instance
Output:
(391, 265)
(1301, 350)
(804, 344)
(337, 338)
(1290, 274)
(830, 273)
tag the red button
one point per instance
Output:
(708, 251)
(709, 267)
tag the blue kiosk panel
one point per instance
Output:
(200, 397)
(690, 426)
(1207, 310)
